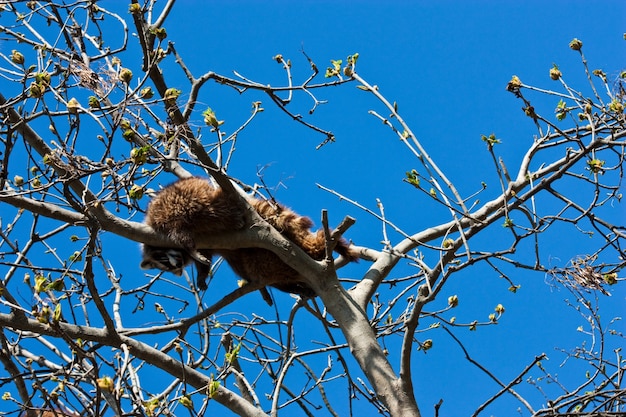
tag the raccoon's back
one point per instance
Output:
(287, 222)
(297, 229)
(193, 205)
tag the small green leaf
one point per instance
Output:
(490, 140)
(76, 257)
(186, 402)
(412, 178)
(213, 388)
(56, 316)
(514, 288)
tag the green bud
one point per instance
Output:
(596, 166)
(210, 119)
(610, 279)
(135, 192)
(17, 57)
(126, 75)
(412, 177)
(576, 44)
(146, 93)
(43, 78)
(76, 257)
(56, 316)
(128, 134)
(555, 73)
(186, 402)
(40, 283)
(139, 156)
(106, 384)
(94, 103)
(171, 94)
(36, 90)
(160, 33)
(514, 84)
(213, 388)
(73, 106)
(616, 106)
(453, 301)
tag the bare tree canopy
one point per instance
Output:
(103, 109)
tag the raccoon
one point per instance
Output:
(192, 207)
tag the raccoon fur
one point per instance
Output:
(192, 207)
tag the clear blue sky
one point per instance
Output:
(446, 64)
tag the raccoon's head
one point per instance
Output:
(165, 259)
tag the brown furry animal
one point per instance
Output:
(192, 207)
